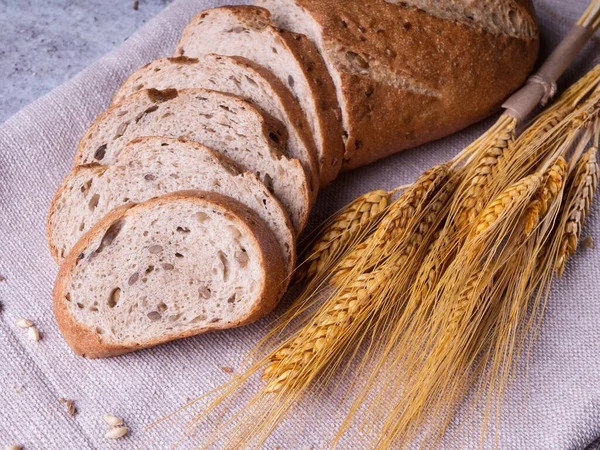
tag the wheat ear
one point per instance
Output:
(350, 303)
(354, 221)
(476, 195)
(554, 179)
(371, 252)
(581, 195)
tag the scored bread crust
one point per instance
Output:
(238, 76)
(85, 342)
(285, 234)
(146, 105)
(254, 21)
(404, 76)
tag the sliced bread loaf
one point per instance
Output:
(241, 77)
(411, 71)
(247, 31)
(172, 267)
(223, 122)
(150, 167)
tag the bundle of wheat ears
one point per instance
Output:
(432, 294)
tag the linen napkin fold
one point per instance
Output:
(554, 403)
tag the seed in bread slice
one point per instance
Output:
(150, 167)
(223, 122)
(248, 32)
(238, 76)
(172, 267)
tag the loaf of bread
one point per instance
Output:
(223, 122)
(246, 31)
(411, 71)
(240, 77)
(172, 267)
(150, 167)
(181, 213)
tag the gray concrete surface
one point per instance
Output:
(45, 42)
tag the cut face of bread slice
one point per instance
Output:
(172, 267)
(150, 167)
(223, 122)
(238, 76)
(247, 31)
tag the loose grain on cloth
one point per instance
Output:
(553, 404)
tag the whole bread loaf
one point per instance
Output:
(411, 71)
(172, 267)
(150, 167)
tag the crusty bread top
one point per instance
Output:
(513, 18)
(224, 122)
(171, 267)
(150, 167)
(404, 76)
(247, 31)
(238, 76)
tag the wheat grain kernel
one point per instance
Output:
(117, 433)
(33, 333)
(113, 421)
(24, 323)
(14, 447)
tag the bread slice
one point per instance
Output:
(238, 76)
(223, 122)
(412, 71)
(172, 267)
(247, 31)
(150, 167)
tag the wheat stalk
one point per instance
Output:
(581, 196)
(350, 225)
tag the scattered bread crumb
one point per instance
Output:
(71, 409)
(588, 242)
(2, 277)
(227, 369)
(136, 5)
(19, 388)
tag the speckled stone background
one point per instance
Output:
(43, 43)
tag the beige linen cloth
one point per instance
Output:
(553, 404)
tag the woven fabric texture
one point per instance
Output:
(554, 402)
